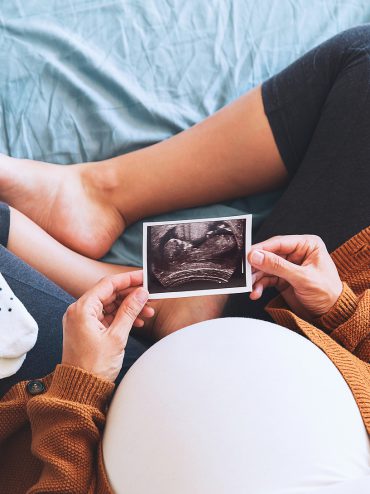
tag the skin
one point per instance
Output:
(77, 274)
(97, 326)
(230, 154)
(300, 267)
(236, 144)
(74, 272)
(318, 276)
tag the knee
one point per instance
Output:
(353, 41)
(347, 49)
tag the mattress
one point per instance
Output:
(86, 80)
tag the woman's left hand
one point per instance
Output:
(300, 267)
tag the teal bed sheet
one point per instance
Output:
(84, 80)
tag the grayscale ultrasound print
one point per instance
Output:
(196, 256)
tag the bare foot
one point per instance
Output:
(174, 314)
(64, 202)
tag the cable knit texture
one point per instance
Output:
(343, 333)
(52, 442)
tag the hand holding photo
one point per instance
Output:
(197, 257)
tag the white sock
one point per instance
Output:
(18, 331)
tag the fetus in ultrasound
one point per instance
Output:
(200, 254)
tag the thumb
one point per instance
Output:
(128, 311)
(270, 263)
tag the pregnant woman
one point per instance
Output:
(306, 128)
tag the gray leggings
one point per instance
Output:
(47, 303)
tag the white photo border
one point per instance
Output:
(195, 293)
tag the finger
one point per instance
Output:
(117, 297)
(256, 292)
(284, 244)
(262, 284)
(107, 288)
(147, 311)
(139, 323)
(110, 308)
(275, 265)
(257, 276)
(121, 295)
(107, 320)
(129, 311)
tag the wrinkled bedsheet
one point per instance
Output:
(84, 80)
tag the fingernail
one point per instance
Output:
(141, 295)
(257, 257)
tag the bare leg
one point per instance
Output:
(76, 274)
(57, 199)
(71, 271)
(230, 154)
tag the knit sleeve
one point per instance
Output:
(348, 322)
(67, 423)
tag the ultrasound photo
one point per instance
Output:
(197, 257)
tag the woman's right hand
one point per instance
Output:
(96, 327)
(301, 269)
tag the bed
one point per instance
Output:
(85, 80)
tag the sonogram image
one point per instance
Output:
(198, 255)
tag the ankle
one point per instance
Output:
(98, 177)
(115, 181)
(99, 181)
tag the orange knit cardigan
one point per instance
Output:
(51, 442)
